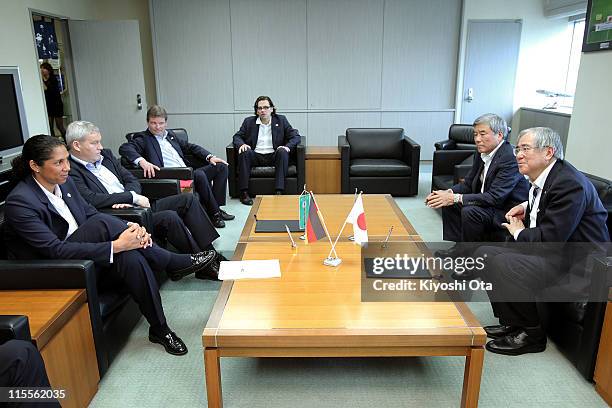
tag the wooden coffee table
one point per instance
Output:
(61, 330)
(316, 311)
(381, 212)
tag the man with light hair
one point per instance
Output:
(563, 207)
(105, 183)
(473, 210)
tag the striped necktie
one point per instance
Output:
(536, 189)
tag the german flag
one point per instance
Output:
(314, 228)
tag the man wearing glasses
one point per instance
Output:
(157, 147)
(474, 208)
(563, 207)
(264, 140)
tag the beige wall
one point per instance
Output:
(17, 42)
(542, 61)
(590, 134)
(544, 47)
(134, 10)
(539, 62)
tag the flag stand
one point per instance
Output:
(329, 261)
(334, 261)
(304, 192)
(351, 237)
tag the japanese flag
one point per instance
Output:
(357, 218)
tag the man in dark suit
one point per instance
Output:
(474, 209)
(21, 366)
(105, 183)
(563, 208)
(46, 218)
(157, 147)
(264, 139)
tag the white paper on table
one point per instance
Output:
(256, 269)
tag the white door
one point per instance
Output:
(108, 77)
(490, 68)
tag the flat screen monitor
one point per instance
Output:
(14, 128)
(598, 26)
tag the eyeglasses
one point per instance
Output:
(260, 108)
(523, 149)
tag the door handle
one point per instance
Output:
(139, 101)
(470, 95)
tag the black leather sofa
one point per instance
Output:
(14, 327)
(112, 311)
(575, 327)
(262, 177)
(379, 161)
(453, 157)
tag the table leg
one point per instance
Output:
(471, 377)
(212, 371)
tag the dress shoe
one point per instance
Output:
(199, 261)
(465, 276)
(517, 343)
(171, 342)
(499, 330)
(245, 199)
(452, 252)
(217, 220)
(210, 273)
(226, 216)
(279, 192)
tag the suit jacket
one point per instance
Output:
(504, 185)
(36, 230)
(569, 210)
(144, 144)
(94, 192)
(282, 133)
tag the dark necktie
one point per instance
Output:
(535, 194)
(477, 183)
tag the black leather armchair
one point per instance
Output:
(165, 183)
(14, 327)
(604, 191)
(453, 157)
(171, 173)
(262, 177)
(379, 161)
(112, 311)
(576, 326)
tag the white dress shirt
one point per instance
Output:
(535, 208)
(264, 138)
(108, 179)
(170, 156)
(487, 158)
(60, 206)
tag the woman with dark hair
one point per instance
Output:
(53, 98)
(47, 218)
